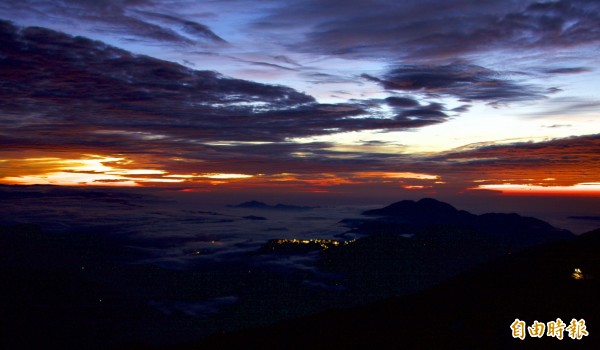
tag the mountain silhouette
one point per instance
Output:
(426, 208)
(506, 229)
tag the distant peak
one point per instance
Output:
(425, 206)
(435, 203)
(429, 200)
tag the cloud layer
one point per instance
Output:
(433, 29)
(71, 94)
(398, 66)
(466, 82)
(133, 19)
(559, 162)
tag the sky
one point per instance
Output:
(366, 97)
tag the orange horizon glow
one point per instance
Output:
(580, 189)
(96, 170)
(118, 171)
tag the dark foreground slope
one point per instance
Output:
(473, 311)
(48, 299)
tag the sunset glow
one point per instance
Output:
(393, 99)
(582, 189)
(98, 170)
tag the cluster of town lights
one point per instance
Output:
(323, 243)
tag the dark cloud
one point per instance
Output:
(564, 22)
(374, 143)
(401, 101)
(433, 29)
(63, 84)
(134, 19)
(461, 109)
(423, 113)
(567, 70)
(72, 94)
(565, 161)
(466, 82)
(313, 158)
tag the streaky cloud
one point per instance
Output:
(197, 30)
(466, 82)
